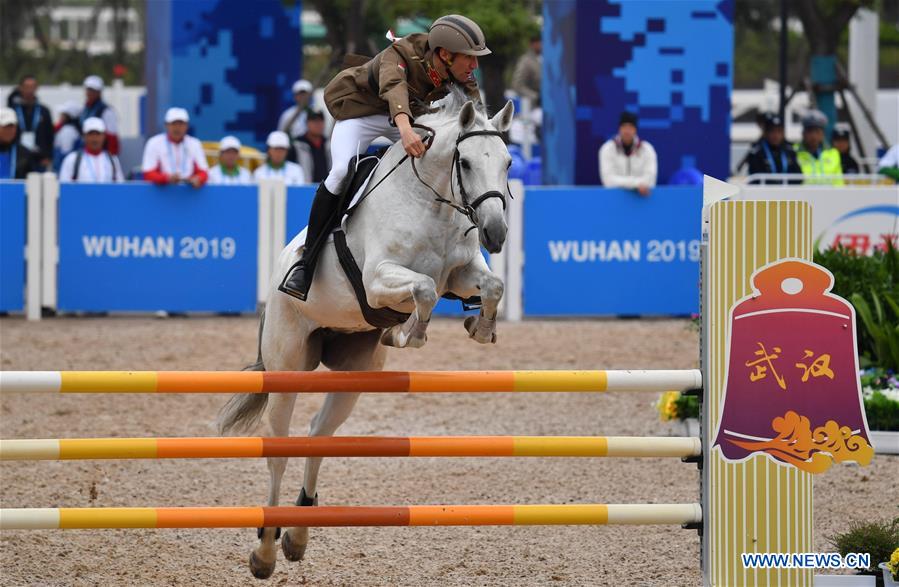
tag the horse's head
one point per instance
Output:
(481, 171)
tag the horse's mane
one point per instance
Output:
(447, 108)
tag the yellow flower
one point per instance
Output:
(667, 405)
(893, 565)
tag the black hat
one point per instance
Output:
(773, 120)
(627, 118)
(839, 131)
(315, 115)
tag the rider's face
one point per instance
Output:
(463, 66)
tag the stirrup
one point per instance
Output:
(285, 286)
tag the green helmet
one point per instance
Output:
(458, 34)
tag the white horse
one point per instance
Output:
(411, 249)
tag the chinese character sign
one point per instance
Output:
(792, 389)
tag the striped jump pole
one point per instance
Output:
(346, 381)
(322, 516)
(348, 446)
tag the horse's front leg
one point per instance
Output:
(477, 279)
(391, 284)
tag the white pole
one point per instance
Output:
(515, 254)
(32, 252)
(863, 60)
(50, 249)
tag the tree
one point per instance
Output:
(507, 26)
(352, 27)
(824, 22)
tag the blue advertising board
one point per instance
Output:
(13, 220)
(594, 251)
(145, 248)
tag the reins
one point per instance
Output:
(466, 209)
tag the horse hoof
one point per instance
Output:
(477, 333)
(260, 568)
(292, 552)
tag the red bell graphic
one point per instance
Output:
(792, 389)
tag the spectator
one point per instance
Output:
(889, 164)
(35, 120)
(276, 164)
(761, 119)
(313, 149)
(627, 162)
(93, 164)
(174, 156)
(839, 138)
(771, 154)
(228, 172)
(293, 120)
(529, 71)
(95, 106)
(15, 160)
(68, 133)
(813, 157)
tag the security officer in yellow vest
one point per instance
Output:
(813, 156)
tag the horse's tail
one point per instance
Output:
(244, 410)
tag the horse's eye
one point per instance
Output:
(464, 164)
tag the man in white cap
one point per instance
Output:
(293, 120)
(94, 106)
(93, 163)
(276, 164)
(68, 132)
(15, 160)
(174, 156)
(228, 172)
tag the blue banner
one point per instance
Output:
(593, 251)
(299, 203)
(145, 248)
(13, 220)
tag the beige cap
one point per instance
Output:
(458, 34)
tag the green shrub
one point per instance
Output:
(878, 539)
(882, 412)
(871, 284)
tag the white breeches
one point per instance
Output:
(353, 136)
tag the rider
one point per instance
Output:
(381, 98)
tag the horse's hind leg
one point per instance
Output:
(286, 345)
(345, 352)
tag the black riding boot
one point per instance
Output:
(321, 218)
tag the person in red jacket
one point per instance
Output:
(174, 156)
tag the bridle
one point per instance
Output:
(466, 208)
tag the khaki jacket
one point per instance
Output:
(395, 81)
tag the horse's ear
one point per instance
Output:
(467, 115)
(502, 120)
